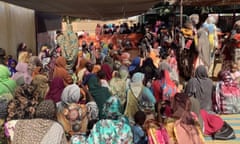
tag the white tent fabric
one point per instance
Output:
(92, 9)
(17, 25)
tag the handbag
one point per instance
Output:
(225, 133)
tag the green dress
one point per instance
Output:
(7, 85)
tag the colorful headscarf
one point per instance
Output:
(112, 108)
(24, 104)
(40, 82)
(12, 69)
(42, 129)
(135, 64)
(168, 87)
(114, 129)
(138, 77)
(226, 77)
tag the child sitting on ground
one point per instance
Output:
(139, 136)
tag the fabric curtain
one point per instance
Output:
(17, 25)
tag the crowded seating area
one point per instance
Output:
(98, 92)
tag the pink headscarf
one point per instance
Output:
(22, 71)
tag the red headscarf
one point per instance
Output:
(55, 91)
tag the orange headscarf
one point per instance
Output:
(154, 56)
(60, 70)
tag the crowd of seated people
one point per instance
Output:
(112, 97)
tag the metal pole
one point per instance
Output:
(181, 13)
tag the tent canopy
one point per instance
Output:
(204, 2)
(92, 9)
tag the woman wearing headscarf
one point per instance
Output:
(149, 69)
(56, 89)
(228, 89)
(163, 87)
(70, 95)
(70, 112)
(168, 63)
(22, 75)
(81, 68)
(61, 71)
(201, 87)
(107, 70)
(114, 128)
(204, 51)
(138, 96)
(43, 129)
(109, 61)
(24, 104)
(134, 66)
(40, 82)
(34, 66)
(118, 85)
(154, 55)
(7, 88)
(209, 123)
(186, 128)
(99, 93)
(6, 84)
(12, 66)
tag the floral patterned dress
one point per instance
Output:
(111, 132)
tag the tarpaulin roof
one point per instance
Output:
(210, 2)
(204, 2)
(92, 9)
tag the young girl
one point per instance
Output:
(139, 136)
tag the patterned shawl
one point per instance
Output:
(31, 131)
(115, 129)
(40, 82)
(24, 104)
(40, 130)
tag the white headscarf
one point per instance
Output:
(71, 94)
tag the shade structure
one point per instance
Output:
(210, 2)
(204, 2)
(91, 9)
